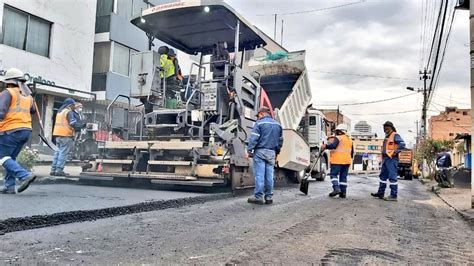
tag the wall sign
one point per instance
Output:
(31, 78)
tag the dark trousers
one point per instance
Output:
(342, 170)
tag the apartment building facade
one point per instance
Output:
(449, 123)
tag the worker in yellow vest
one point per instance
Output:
(341, 159)
(64, 129)
(16, 108)
(393, 144)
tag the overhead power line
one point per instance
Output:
(370, 102)
(391, 113)
(311, 10)
(361, 75)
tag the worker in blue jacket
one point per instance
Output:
(264, 145)
(393, 144)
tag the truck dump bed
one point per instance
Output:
(285, 80)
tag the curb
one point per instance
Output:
(467, 217)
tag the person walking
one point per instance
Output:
(16, 108)
(393, 144)
(64, 128)
(264, 145)
(342, 152)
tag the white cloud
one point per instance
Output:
(376, 37)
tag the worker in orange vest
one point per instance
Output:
(341, 159)
(16, 108)
(64, 128)
(393, 144)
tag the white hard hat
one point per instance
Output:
(341, 127)
(13, 74)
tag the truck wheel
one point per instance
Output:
(321, 175)
(408, 175)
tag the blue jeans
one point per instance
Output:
(263, 164)
(60, 156)
(10, 146)
(389, 172)
(342, 170)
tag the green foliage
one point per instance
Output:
(429, 149)
(28, 158)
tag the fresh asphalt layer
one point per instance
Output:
(56, 198)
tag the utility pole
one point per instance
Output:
(425, 77)
(281, 40)
(337, 116)
(417, 136)
(275, 29)
(471, 20)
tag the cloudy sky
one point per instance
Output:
(375, 37)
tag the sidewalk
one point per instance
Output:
(458, 198)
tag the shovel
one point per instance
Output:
(48, 142)
(304, 186)
(26, 91)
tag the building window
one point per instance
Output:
(25, 31)
(121, 60)
(464, 113)
(130, 8)
(451, 134)
(373, 147)
(360, 147)
(101, 65)
(102, 21)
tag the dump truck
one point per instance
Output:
(405, 164)
(195, 134)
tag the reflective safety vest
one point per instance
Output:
(389, 145)
(167, 65)
(18, 115)
(61, 127)
(342, 153)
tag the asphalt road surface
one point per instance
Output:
(296, 229)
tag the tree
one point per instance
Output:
(429, 149)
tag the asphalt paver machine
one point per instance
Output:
(199, 139)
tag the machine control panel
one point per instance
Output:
(209, 97)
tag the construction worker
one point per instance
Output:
(16, 108)
(79, 119)
(342, 151)
(264, 145)
(178, 75)
(64, 128)
(393, 144)
(443, 163)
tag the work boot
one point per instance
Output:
(390, 198)
(377, 195)
(342, 195)
(25, 183)
(5, 190)
(335, 192)
(61, 173)
(254, 200)
(268, 201)
(52, 173)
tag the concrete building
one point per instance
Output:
(332, 115)
(115, 38)
(367, 151)
(53, 43)
(363, 127)
(449, 123)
